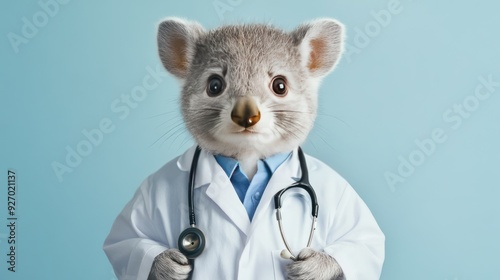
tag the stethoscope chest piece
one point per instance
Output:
(191, 242)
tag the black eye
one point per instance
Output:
(278, 85)
(215, 85)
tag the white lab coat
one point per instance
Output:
(235, 247)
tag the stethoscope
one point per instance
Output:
(192, 241)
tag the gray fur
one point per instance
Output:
(333, 45)
(170, 265)
(248, 52)
(171, 32)
(248, 57)
(313, 265)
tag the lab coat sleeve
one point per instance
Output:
(357, 243)
(131, 246)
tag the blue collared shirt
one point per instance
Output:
(250, 192)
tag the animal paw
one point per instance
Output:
(170, 265)
(314, 265)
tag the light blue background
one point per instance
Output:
(442, 222)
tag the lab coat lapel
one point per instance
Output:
(222, 193)
(219, 190)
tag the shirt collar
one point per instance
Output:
(229, 164)
(210, 167)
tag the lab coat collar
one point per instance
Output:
(184, 161)
(210, 173)
(206, 161)
(289, 169)
(272, 163)
(219, 190)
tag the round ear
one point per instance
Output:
(320, 44)
(176, 39)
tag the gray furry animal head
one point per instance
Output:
(249, 90)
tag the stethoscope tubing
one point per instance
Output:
(192, 178)
(303, 183)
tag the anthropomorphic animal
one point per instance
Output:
(249, 99)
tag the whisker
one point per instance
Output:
(291, 111)
(318, 132)
(178, 134)
(326, 143)
(166, 133)
(162, 114)
(323, 129)
(176, 118)
(174, 132)
(336, 118)
(312, 143)
(186, 139)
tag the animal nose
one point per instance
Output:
(245, 112)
